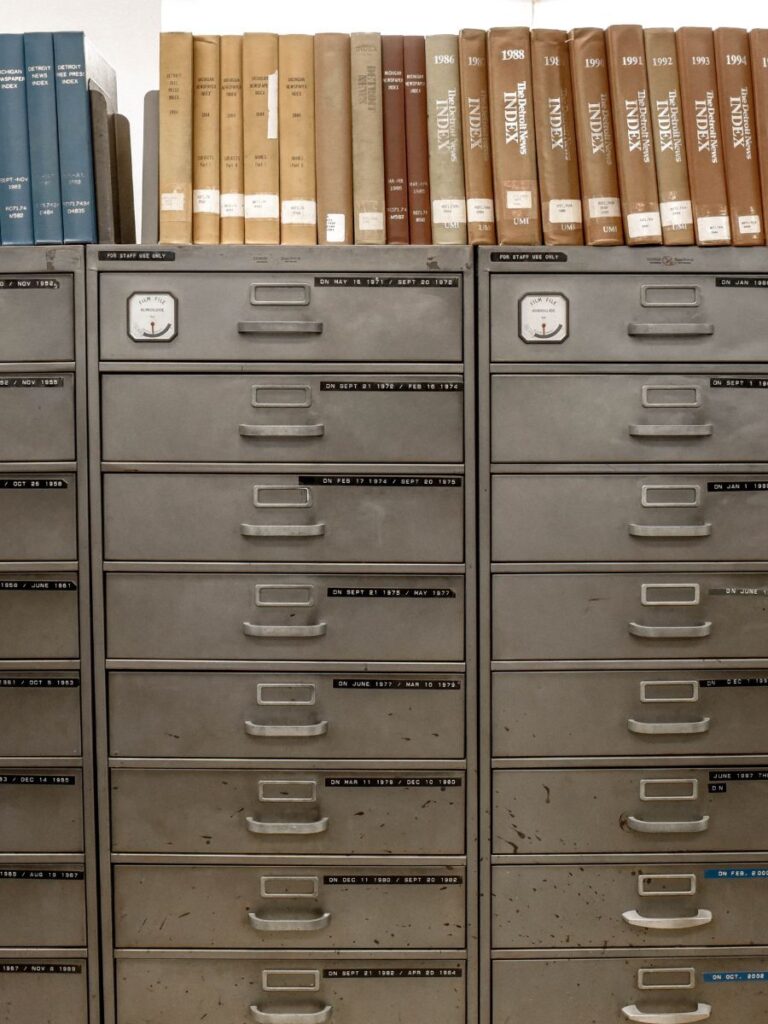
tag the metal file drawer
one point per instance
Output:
(285, 418)
(294, 517)
(630, 615)
(38, 517)
(285, 812)
(41, 714)
(42, 905)
(305, 906)
(628, 318)
(272, 714)
(178, 991)
(42, 991)
(612, 417)
(37, 417)
(38, 615)
(37, 314)
(675, 516)
(621, 905)
(626, 810)
(279, 617)
(678, 989)
(41, 811)
(280, 316)
(638, 713)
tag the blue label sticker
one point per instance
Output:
(720, 976)
(761, 872)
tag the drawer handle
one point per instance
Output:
(280, 327)
(669, 728)
(282, 429)
(700, 918)
(670, 330)
(254, 629)
(667, 827)
(286, 530)
(307, 924)
(670, 632)
(641, 530)
(264, 1017)
(286, 731)
(287, 828)
(670, 430)
(702, 1012)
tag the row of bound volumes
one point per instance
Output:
(625, 136)
(65, 156)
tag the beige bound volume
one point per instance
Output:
(296, 111)
(446, 157)
(232, 210)
(175, 138)
(333, 137)
(367, 139)
(205, 141)
(261, 168)
(476, 137)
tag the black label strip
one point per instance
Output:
(384, 481)
(392, 880)
(385, 281)
(137, 256)
(37, 585)
(378, 685)
(16, 874)
(392, 782)
(29, 284)
(522, 256)
(55, 683)
(737, 485)
(31, 382)
(421, 592)
(35, 484)
(26, 968)
(37, 780)
(738, 382)
(741, 282)
(341, 973)
(733, 683)
(393, 386)
(738, 591)
(740, 775)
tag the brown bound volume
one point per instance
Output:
(632, 131)
(232, 209)
(205, 141)
(367, 139)
(758, 49)
(476, 137)
(395, 170)
(737, 117)
(333, 139)
(556, 138)
(446, 158)
(416, 143)
(175, 138)
(594, 138)
(296, 111)
(513, 139)
(701, 120)
(668, 137)
(261, 162)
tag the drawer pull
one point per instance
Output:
(670, 430)
(669, 728)
(287, 828)
(307, 924)
(670, 632)
(702, 1012)
(668, 827)
(700, 918)
(286, 731)
(282, 429)
(285, 530)
(320, 1017)
(670, 330)
(641, 530)
(254, 629)
(280, 327)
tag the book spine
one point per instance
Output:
(261, 163)
(78, 188)
(600, 202)
(668, 137)
(206, 180)
(395, 170)
(175, 138)
(634, 139)
(298, 202)
(476, 137)
(446, 153)
(561, 213)
(43, 142)
(701, 121)
(333, 139)
(15, 192)
(513, 138)
(368, 139)
(416, 143)
(758, 50)
(737, 116)
(231, 141)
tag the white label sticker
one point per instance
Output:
(604, 206)
(677, 214)
(370, 221)
(749, 225)
(299, 211)
(335, 227)
(205, 200)
(449, 211)
(565, 211)
(644, 225)
(480, 211)
(262, 206)
(714, 229)
(519, 200)
(272, 105)
(172, 202)
(232, 204)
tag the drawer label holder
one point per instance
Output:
(746, 874)
(36, 484)
(37, 780)
(738, 382)
(734, 976)
(390, 782)
(56, 683)
(38, 585)
(31, 382)
(31, 968)
(27, 875)
(405, 592)
(392, 880)
(717, 486)
(385, 481)
(341, 973)
(741, 282)
(385, 281)
(383, 685)
(29, 284)
(733, 684)
(393, 386)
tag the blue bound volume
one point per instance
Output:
(15, 192)
(43, 138)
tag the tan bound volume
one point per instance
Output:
(205, 141)
(175, 138)
(367, 139)
(758, 48)
(296, 111)
(446, 157)
(701, 120)
(261, 160)
(232, 205)
(594, 138)
(333, 139)
(556, 138)
(476, 137)
(668, 137)
(632, 131)
(737, 117)
(513, 139)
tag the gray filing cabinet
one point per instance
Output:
(283, 531)
(48, 900)
(623, 453)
